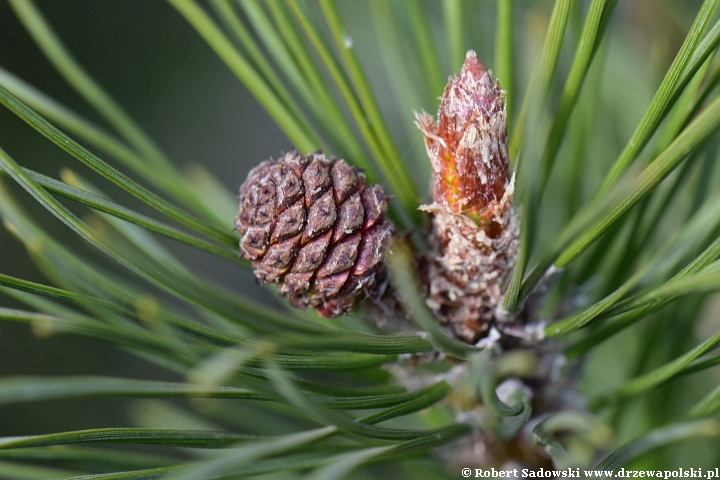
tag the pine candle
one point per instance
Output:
(474, 227)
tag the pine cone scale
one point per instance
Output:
(254, 242)
(331, 285)
(345, 181)
(374, 203)
(290, 222)
(321, 216)
(350, 217)
(373, 248)
(312, 255)
(341, 257)
(317, 180)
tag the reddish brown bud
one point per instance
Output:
(475, 228)
(310, 224)
(468, 144)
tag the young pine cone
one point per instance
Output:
(311, 224)
(475, 230)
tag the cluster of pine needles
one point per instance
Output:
(621, 202)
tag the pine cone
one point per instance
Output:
(311, 224)
(475, 230)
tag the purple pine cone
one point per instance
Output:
(312, 225)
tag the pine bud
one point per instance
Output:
(312, 225)
(475, 229)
